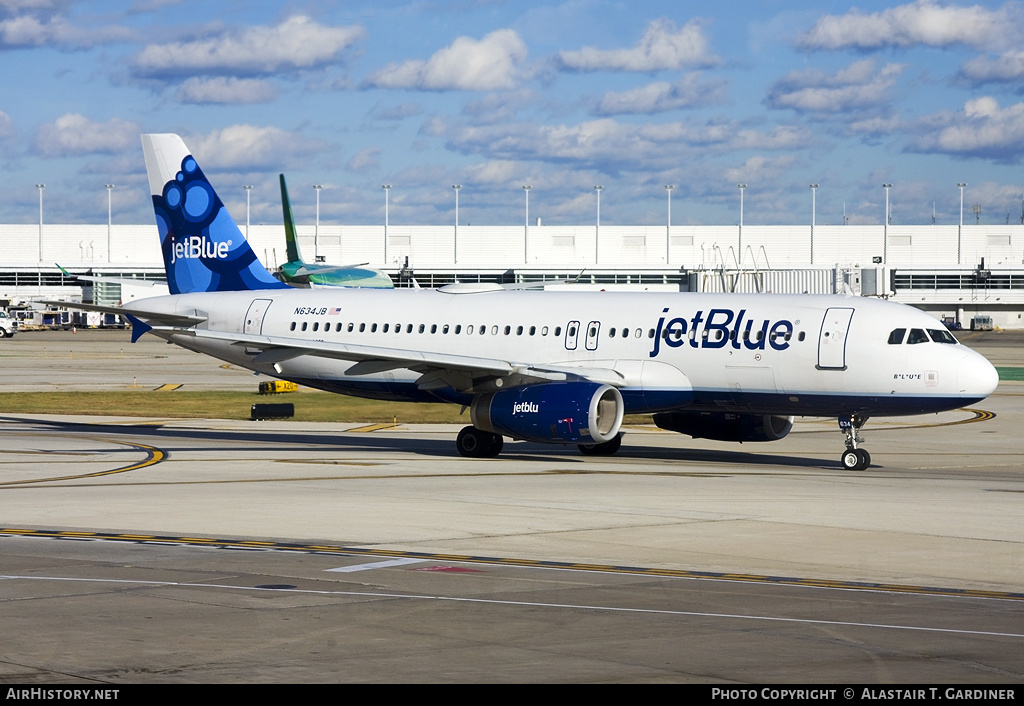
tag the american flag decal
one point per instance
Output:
(334, 312)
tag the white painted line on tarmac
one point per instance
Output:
(376, 565)
(534, 604)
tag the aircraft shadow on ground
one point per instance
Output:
(527, 451)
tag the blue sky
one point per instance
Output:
(493, 95)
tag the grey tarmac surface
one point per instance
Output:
(676, 560)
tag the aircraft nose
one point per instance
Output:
(976, 376)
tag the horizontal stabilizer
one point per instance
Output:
(159, 317)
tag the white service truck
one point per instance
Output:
(8, 326)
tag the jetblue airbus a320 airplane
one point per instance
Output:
(555, 367)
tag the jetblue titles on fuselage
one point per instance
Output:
(677, 331)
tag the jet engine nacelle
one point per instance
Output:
(723, 426)
(561, 412)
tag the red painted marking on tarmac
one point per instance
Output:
(449, 569)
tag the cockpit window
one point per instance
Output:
(917, 335)
(896, 337)
(941, 335)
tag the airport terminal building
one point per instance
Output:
(950, 271)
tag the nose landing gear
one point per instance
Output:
(854, 458)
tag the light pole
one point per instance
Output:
(316, 230)
(885, 230)
(597, 228)
(526, 227)
(959, 231)
(110, 191)
(814, 193)
(248, 189)
(40, 187)
(668, 222)
(741, 187)
(455, 245)
(387, 191)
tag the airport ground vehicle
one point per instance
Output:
(8, 326)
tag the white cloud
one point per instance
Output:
(250, 147)
(501, 106)
(226, 90)
(27, 31)
(363, 160)
(760, 169)
(74, 134)
(856, 86)
(493, 63)
(663, 47)
(1009, 67)
(982, 129)
(297, 43)
(921, 22)
(495, 172)
(661, 96)
(878, 125)
(615, 146)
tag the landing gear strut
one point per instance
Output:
(477, 443)
(854, 458)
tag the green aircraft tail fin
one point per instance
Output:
(289, 225)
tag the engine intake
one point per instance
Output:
(725, 426)
(561, 412)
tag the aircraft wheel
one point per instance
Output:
(865, 459)
(494, 446)
(851, 460)
(476, 443)
(604, 449)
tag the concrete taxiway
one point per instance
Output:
(209, 550)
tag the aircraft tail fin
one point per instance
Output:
(202, 246)
(291, 239)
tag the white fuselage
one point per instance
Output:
(773, 354)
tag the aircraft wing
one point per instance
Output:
(437, 370)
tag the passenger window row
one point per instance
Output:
(614, 332)
(338, 327)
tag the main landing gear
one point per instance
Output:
(477, 443)
(606, 448)
(854, 458)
